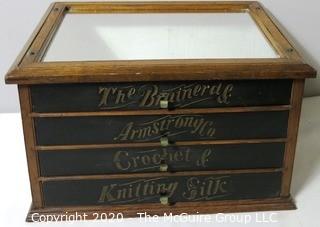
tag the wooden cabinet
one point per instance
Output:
(159, 107)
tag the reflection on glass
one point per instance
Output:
(88, 37)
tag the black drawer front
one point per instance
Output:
(126, 129)
(149, 159)
(148, 190)
(196, 94)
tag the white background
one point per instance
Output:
(299, 20)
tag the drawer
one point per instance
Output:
(171, 189)
(132, 96)
(156, 159)
(129, 129)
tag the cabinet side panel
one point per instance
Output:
(292, 133)
(29, 138)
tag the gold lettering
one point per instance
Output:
(178, 156)
(117, 160)
(191, 192)
(211, 130)
(149, 97)
(135, 161)
(172, 188)
(105, 194)
(207, 188)
(131, 92)
(199, 125)
(178, 96)
(113, 96)
(122, 193)
(196, 90)
(215, 90)
(104, 96)
(120, 97)
(221, 188)
(136, 190)
(137, 193)
(204, 158)
(147, 159)
(224, 98)
(185, 123)
(156, 159)
(125, 132)
(204, 89)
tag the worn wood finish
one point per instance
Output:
(166, 112)
(32, 157)
(44, 35)
(293, 126)
(274, 35)
(29, 70)
(26, 47)
(152, 144)
(157, 7)
(289, 65)
(164, 174)
(162, 70)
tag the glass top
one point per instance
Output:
(97, 37)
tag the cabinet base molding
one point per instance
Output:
(134, 211)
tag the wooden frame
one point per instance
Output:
(30, 142)
(29, 69)
(29, 65)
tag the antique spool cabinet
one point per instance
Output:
(159, 108)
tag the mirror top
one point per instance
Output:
(155, 36)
